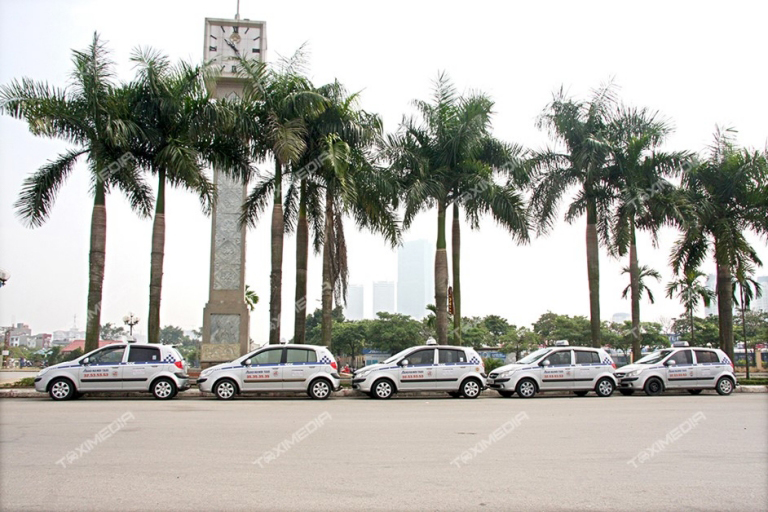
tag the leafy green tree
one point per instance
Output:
(393, 332)
(172, 335)
(706, 330)
(349, 338)
(520, 340)
(552, 327)
(727, 195)
(581, 127)
(690, 292)
(497, 326)
(112, 332)
(71, 356)
(92, 114)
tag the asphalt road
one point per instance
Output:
(674, 452)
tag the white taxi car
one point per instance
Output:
(559, 368)
(457, 370)
(307, 368)
(158, 369)
(693, 369)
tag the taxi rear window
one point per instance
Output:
(143, 355)
(452, 356)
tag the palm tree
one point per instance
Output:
(689, 291)
(643, 272)
(283, 99)
(345, 135)
(645, 199)
(582, 127)
(479, 159)
(448, 157)
(93, 114)
(748, 289)
(251, 299)
(727, 196)
(182, 129)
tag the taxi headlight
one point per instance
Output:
(364, 374)
(205, 373)
(507, 373)
(42, 372)
(634, 373)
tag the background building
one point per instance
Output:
(711, 285)
(355, 302)
(383, 297)
(620, 318)
(415, 278)
(761, 304)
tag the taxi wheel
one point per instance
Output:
(471, 388)
(694, 391)
(383, 389)
(526, 388)
(320, 389)
(605, 387)
(164, 389)
(724, 386)
(225, 389)
(61, 389)
(580, 393)
(506, 394)
(627, 392)
(653, 387)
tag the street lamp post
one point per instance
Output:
(130, 320)
(4, 277)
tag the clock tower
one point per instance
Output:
(226, 316)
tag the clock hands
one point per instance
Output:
(231, 45)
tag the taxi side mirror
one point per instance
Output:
(545, 363)
(671, 362)
(87, 360)
(404, 362)
(247, 362)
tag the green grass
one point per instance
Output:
(26, 382)
(753, 382)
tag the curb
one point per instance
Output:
(344, 393)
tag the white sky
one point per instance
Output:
(699, 63)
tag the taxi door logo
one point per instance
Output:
(274, 374)
(114, 374)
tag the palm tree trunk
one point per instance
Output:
(693, 338)
(441, 278)
(328, 278)
(456, 261)
(744, 330)
(634, 283)
(156, 265)
(593, 272)
(302, 255)
(725, 307)
(276, 277)
(96, 267)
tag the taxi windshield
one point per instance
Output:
(534, 356)
(653, 358)
(397, 356)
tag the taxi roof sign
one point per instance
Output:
(561, 343)
(431, 341)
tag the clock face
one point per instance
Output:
(228, 41)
